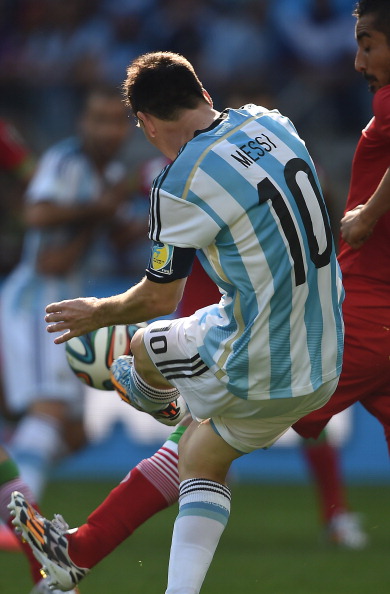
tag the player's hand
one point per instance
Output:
(72, 317)
(355, 230)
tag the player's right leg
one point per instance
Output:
(342, 527)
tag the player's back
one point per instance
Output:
(245, 192)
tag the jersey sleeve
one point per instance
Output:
(168, 263)
(381, 108)
(178, 222)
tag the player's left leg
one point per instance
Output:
(205, 456)
(204, 506)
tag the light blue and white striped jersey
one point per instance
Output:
(245, 193)
(65, 176)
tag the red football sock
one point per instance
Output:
(128, 506)
(324, 464)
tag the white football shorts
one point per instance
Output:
(33, 367)
(246, 425)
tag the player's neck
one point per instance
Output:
(177, 133)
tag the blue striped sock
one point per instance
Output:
(204, 508)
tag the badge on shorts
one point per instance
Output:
(161, 258)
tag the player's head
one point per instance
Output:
(104, 123)
(373, 39)
(162, 84)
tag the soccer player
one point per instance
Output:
(364, 247)
(71, 202)
(243, 190)
(365, 264)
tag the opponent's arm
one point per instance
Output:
(358, 223)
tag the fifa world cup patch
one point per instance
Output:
(161, 258)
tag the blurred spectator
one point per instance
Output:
(126, 38)
(319, 48)
(52, 51)
(169, 27)
(239, 40)
(52, 55)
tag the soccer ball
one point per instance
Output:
(90, 356)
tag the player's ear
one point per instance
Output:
(207, 97)
(146, 122)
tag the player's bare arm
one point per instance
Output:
(144, 301)
(358, 223)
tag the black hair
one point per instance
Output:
(162, 84)
(380, 9)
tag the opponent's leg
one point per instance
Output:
(151, 486)
(69, 555)
(342, 526)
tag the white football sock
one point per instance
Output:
(204, 508)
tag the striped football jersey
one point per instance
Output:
(245, 193)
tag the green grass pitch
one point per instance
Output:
(272, 545)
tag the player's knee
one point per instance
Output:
(137, 342)
(143, 363)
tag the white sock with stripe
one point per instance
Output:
(204, 508)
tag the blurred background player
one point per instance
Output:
(75, 208)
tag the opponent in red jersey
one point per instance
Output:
(365, 250)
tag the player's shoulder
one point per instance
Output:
(200, 152)
(200, 148)
(61, 154)
(64, 148)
